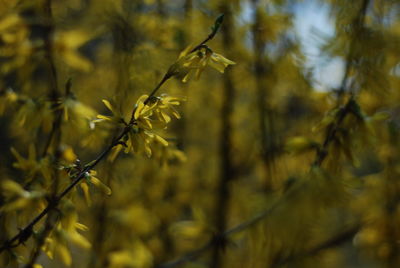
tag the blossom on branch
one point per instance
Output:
(190, 62)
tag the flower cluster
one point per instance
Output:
(196, 61)
(151, 115)
(64, 234)
(18, 199)
(14, 42)
(32, 165)
(17, 46)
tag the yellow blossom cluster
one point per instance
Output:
(14, 41)
(195, 60)
(151, 115)
(64, 233)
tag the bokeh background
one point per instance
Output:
(288, 159)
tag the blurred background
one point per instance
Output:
(288, 159)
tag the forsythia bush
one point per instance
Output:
(120, 147)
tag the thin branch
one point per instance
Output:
(193, 255)
(214, 30)
(331, 242)
(26, 232)
(322, 152)
(334, 241)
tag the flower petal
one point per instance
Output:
(100, 185)
(108, 105)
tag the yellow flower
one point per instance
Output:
(53, 247)
(165, 106)
(141, 141)
(15, 44)
(8, 100)
(116, 117)
(35, 113)
(66, 230)
(219, 62)
(149, 115)
(168, 154)
(196, 61)
(138, 256)
(67, 44)
(143, 112)
(90, 177)
(79, 111)
(31, 164)
(70, 227)
(111, 108)
(17, 198)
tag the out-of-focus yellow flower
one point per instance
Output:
(53, 247)
(127, 216)
(15, 43)
(121, 258)
(300, 144)
(68, 154)
(116, 117)
(10, 187)
(141, 141)
(187, 229)
(79, 111)
(138, 256)
(31, 165)
(7, 100)
(170, 154)
(66, 44)
(70, 225)
(65, 231)
(18, 198)
(196, 61)
(35, 113)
